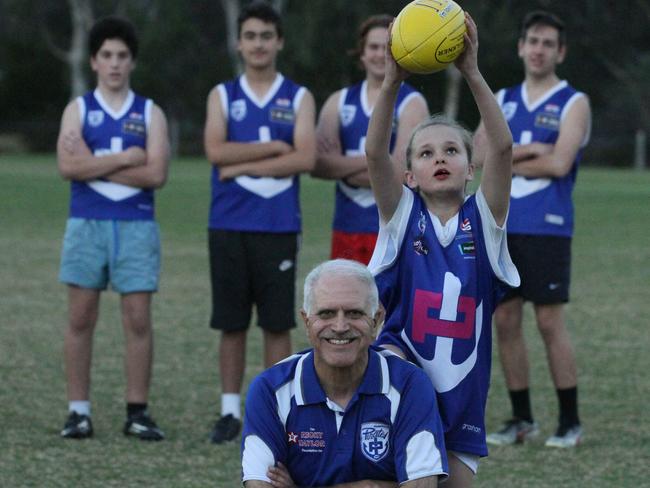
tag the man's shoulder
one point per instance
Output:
(281, 373)
(400, 370)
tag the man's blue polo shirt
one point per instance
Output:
(390, 430)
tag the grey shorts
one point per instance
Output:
(123, 252)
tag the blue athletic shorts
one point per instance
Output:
(123, 252)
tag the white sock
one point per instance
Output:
(230, 405)
(81, 407)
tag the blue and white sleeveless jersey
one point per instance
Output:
(355, 210)
(250, 203)
(106, 131)
(389, 431)
(540, 206)
(439, 285)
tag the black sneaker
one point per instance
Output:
(143, 427)
(226, 429)
(77, 426)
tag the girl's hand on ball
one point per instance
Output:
(394, 73)
(468, 60)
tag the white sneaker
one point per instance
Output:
(565, 437)
(514, 431)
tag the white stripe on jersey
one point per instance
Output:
(420, 450)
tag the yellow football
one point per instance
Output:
(427, 35)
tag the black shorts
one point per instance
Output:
(544, 265)
(252, 268)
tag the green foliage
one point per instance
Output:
(607, 319)
(184, 55)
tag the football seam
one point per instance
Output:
(432, 34)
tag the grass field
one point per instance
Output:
(609, 317)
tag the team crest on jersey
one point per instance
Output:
(509, 109)
(547, 121)
(375, 440)
(347, 114)
(95, 118)
(238, 109)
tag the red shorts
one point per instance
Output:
(358, 247)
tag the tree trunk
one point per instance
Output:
(452, 96)
(77, 57)
(231, 9)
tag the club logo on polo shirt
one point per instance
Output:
(375, 440)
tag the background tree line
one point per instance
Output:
(187, 47)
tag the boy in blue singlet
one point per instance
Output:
(259, 137)
(113, 147)
(341, 136)
(550, 123)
